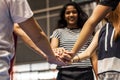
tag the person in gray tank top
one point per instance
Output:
(107, 40)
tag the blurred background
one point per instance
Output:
(29, 65)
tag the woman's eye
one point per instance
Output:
(74, 11)
(67, 12)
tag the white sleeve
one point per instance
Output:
(20, 10)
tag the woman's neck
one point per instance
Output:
(72, 26)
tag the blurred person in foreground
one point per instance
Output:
(18, 11)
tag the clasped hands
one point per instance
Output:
(64, 55)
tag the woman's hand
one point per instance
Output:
(62, 54)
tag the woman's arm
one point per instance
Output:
(19, 32)
(89, 26)
(94, 62)
(54, 42)
(59, 51)
(40, 39)
(89, 51)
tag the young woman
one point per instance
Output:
(72, 18)
(107, 40)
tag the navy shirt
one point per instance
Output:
(111, 3)
(108, 50)
(110, 47)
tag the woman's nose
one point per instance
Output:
(71, 14)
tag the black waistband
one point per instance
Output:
(75, 68)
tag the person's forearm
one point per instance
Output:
(36, 34)
(82, 56)
(30, 44)
(44, 45)
(34, 31)
(94, 61)
(19, 32)
(90, 25)
(83, 36)
(90, 49)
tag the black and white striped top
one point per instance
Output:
(67, 38)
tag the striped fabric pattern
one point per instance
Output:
(67, 38)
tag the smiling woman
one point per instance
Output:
(72, 18)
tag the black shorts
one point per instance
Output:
(74, 73)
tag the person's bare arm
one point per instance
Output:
(54, 42)
(19, 32)
(59, 51)
(90, 50)
(94, 61)
(36, 34)
(97, 15)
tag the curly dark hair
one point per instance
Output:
(82, 16)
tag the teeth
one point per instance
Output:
(71, 18)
